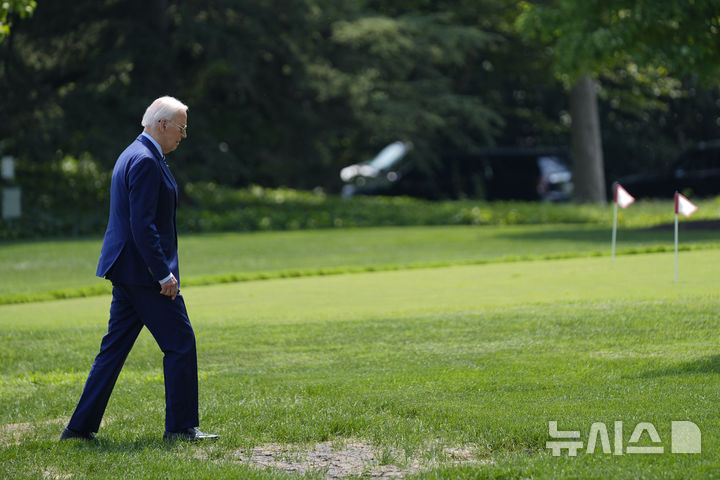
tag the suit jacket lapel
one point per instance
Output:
(166, 171)
(161, 160)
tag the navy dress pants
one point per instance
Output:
(132, 308)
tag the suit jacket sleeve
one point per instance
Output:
(144, 181)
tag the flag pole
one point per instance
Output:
(614, 230)
(676, 247)
(686, 207)
(676, 235)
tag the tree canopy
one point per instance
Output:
(676, 37)
(10, 8)
(655, 43)
(286, 93)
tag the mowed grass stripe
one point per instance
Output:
(39, 271)
(448, 289)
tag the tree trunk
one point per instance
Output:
(160, 16)
(588, 170)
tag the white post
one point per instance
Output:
(614, 231)
(7, 168)
(676, 247)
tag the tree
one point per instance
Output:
(8, 8)
(287, 93)
(586, 143)
(594, 37)
(280, 93)
(399, 74)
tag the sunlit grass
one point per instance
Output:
(480, 356)
(61, 269)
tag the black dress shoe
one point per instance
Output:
(191, 434)
(69, 433)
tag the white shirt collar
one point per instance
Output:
(154, 142)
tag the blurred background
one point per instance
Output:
(287, 94)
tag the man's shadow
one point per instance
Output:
(112, 445)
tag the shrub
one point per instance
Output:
(78, 206)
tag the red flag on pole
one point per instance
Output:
(683, 206)
(622, 197)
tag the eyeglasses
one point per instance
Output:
(183, 128)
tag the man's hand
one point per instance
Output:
(169, 288)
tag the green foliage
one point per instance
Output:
(287, 93)
(279, 94)
(258, 208)
(66, 197)
(669, 37)
(8, 8)
(648, 45)
(648, 115)
(406, 91)
(219, 208)
(78, 206)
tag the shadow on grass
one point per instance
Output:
(120, 445)
(601, 235)
(709, 364)
(590, 235)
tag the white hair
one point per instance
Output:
(163, 108)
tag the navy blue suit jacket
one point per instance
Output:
(140, 245)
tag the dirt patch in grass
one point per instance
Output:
(11, 433)
(14, 433)
(352, 457)
(53, 474)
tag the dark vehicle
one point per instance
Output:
(530, 174)
(696, 173)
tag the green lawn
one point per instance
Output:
(32, 270)
(475, 357)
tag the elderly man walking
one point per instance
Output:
(139, 256)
